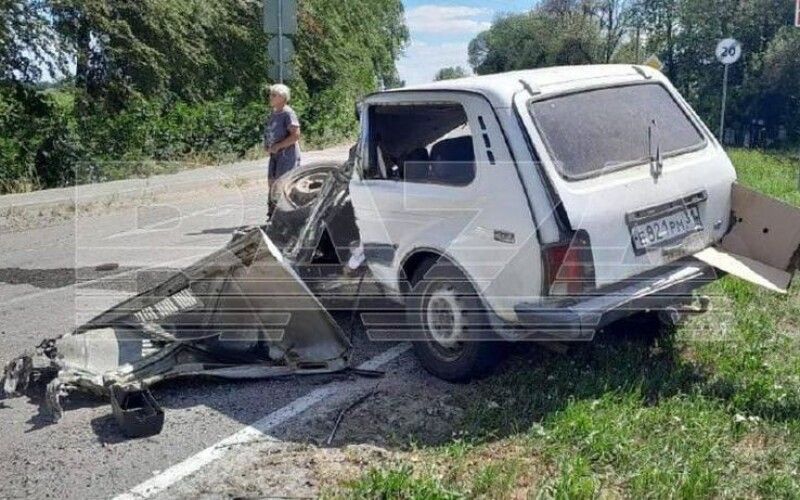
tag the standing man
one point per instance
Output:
(281, 136)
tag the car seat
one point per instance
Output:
(453, 161)
(416, 165)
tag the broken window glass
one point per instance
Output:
(423, 143)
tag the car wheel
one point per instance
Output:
(300, 187)
(454, 338)
(293, 197)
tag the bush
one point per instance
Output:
(50, 148)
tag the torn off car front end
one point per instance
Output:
(242, 312)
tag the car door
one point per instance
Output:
(461, 197)
(397, 194)
(763, 246)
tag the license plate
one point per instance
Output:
(666, 229)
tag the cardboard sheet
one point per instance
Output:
(765, 230)
(762, 245)
(747, 269)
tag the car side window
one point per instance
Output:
(420, 143)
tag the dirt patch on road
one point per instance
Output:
(397, 412)
(284, 470)
(394, 418)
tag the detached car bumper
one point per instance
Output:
(578, 318)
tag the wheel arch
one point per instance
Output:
(418, 257)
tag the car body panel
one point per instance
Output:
(243, 312)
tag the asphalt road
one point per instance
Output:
(57, 277)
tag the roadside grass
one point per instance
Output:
(18, 186)
(771, 173)
(91, 172)
(710, 409)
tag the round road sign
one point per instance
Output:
(728, 51)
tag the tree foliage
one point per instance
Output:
(548, 36)
(170, 79)
(450, 73)
(345, 50)
(683, 34)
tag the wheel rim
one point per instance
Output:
(444, 317)
(305, 190)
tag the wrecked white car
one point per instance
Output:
(537, 205)
(545, 204)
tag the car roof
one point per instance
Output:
(500, 88)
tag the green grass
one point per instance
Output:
(401, 483)
(770, 173)
(711, 409)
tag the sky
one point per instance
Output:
(441, 31)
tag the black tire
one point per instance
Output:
(299, 188)
(292, 197)
(440, 291)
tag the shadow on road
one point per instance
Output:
(415, 409)
(39, 278)
(111, 277)
(36, 395)
(218, 230)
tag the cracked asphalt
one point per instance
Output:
(55, 278)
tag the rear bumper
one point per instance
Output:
(578, 318)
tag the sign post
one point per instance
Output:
(280, 41)
(797, 14)
(280, 19)
(728, 52)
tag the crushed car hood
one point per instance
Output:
(242, 312)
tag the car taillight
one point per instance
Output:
(570, 270)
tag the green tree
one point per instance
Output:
(29, 49)
(547, 36)
(450, 73)
(345, 50)
(682, 33)
(167, 79)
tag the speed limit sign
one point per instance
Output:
(728, 51)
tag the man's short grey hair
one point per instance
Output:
(281, 90)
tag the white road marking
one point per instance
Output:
(178, 472)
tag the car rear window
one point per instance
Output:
(607, 129)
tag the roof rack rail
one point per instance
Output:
(529, 88)
(641, 71)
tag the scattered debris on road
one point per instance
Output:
(230, 315)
